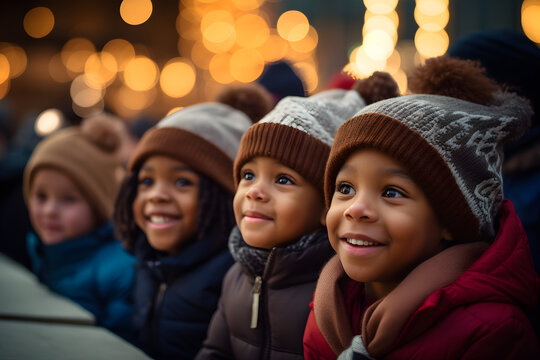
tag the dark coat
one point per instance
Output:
(175, 296)
(94, 271)
(286, 289)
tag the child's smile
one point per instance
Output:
(380, 222)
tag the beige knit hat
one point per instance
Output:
(88, 155)
(206, 136)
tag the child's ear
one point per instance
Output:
(446, 235)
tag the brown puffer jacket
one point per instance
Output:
(286, 289)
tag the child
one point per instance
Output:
(70, 183)
(175, 212)
(280, 243)
(431, 262)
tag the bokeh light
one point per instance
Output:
(75, 52)
(293, 25)
(4, 68)
(308, 72)
(57, 70)
(219, 68)
(431, 7)
(141, 73)
(380, 6)
(135, 12)
(246, 65)
(431, 44)
(48, 121)
(308, 43)
(530, 19)
(378, 45)
(84, 95)
(251, 31)
(200, 55)
(17, 59)
(275, 47)
(178, 77)
(122, 50)
(100, 69)
(247, 5)
(433, 23)
(38, 22)
(218, 31)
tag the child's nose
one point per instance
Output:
(50, 207)
(159, 193)
(361, 209)
(256, 192)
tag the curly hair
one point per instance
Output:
(215, 212)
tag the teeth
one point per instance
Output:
(159, 219)
(360, 242)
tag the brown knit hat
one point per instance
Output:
(205, 136)
(451, 147)
(88, 155)
(299, 131)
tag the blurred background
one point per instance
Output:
(61, 60)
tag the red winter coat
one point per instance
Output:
(467, 302)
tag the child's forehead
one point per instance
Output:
(53, 178)
(366, 159)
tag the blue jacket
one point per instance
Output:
(94, 271)
(176, 295)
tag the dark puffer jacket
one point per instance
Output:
(175, 297)
(273, 326)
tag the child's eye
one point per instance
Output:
(41, 196)
(284, 180)
(345, 189)
(247, 175)
(146, 182)
(392, 193)
(69, 199)
(183, 182)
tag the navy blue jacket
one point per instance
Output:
(176, 295)
(94, 271)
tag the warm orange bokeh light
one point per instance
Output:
(75, 53)
(178, 77)
(38, 22)
(431, 22)
(122, 50)
(141, 73)
(430, 44)
(219, 68)
(4, 88)
(293, 25)
(308, 73)
(201, 55)
(100, 69)
(17, 59)
(380, 7)
(530, 19)
(307, 44)
(4, 68)
(251, 31)
(83, 94)
(135, 12)
(48, 121)
(431, 7)
(275, 47)
(246, 65)
(247, 5)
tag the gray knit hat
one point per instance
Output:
(204, 136)
(452, 148)
(299, 132)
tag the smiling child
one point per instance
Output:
(432, 262)
(175, 212)
(280, 242)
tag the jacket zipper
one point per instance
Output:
(255, 298)
(266, 319)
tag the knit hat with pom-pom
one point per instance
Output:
(88, 155)
(450, 144)
(299, 131)
(206, 136)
